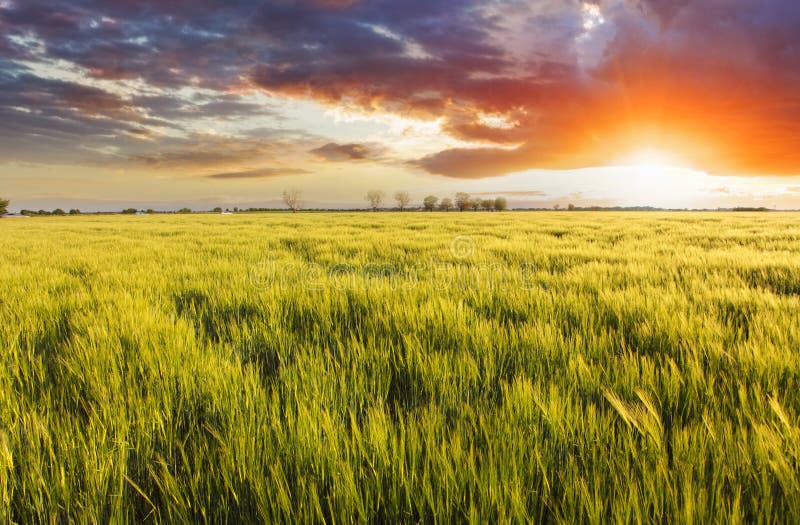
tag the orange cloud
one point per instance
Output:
(714, 84)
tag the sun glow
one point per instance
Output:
(657, 177)
(654, 158)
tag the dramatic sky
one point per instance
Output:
(160, 103)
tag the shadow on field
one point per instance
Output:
(232, 325)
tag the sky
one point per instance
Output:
(106, 104)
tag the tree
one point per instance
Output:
(446, 204)
(556, 207)
(150, 211)
(4, 206)
(291, 198)
(375, 198)
(463, 201)
(500, 204)
(129, 211)
(475, 204)
(59, 211)
(487, 204)
(571, 207)
(185, 210)
(430, 202)
(402, 198)
(217, 210)
(74, 211)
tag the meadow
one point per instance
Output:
(386, 367)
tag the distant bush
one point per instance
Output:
(129, 211)
(185, 210)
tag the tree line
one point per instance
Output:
(292, 199)
(57, 212)
(376, 198)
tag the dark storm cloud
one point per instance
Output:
(724, 74)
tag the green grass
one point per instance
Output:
(506, 367)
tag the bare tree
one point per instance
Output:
(446, 204)
(4, 206)
(291, 198)
(403, 199)
(463, 201)
(430, 202)
(487, 204)
(375, 198)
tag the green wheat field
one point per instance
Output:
(387, 367)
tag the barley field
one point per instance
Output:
(385, 367)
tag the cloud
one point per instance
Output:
(346, 152)
(198, 152)
(223, 106)
(262, 173)
(475, 163)
(715, 81)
